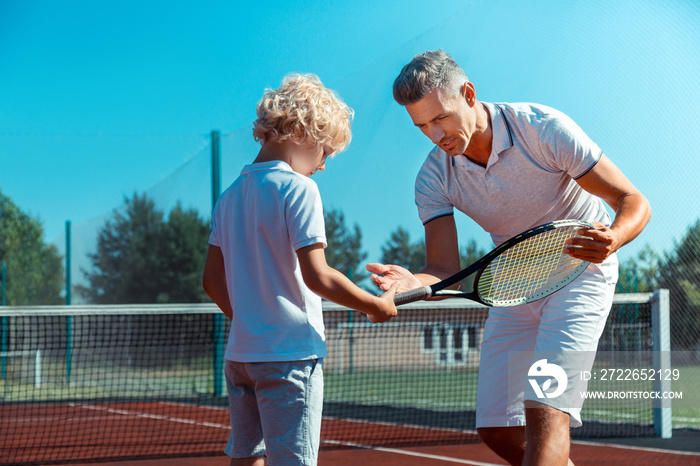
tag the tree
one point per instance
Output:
(469, 254)
(344, 250)
(126, 263)
(399, 250)
(638, 274)
(34, 269)
(679, 272)
(185, 249)
(141, 258)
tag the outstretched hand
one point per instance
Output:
(385, 275)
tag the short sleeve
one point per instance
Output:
(430, 193)
(566, 147)
(304, 216)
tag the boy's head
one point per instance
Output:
(304, 110)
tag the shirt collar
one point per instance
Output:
(502, 138)
(263, 166)
(502, 135)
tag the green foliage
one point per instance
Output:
(185, 243)
(638, 274)
(469, 254)
(344, 251)
(34, 269)
(141, 258)
(679, 271)
(399, 250)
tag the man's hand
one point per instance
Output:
(595, 245)
(384, 276)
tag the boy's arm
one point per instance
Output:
(214, 280)
(332, 285)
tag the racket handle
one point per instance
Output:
(410, 296)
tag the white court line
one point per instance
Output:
(151, 416)
(396, 451)
(611, 414)
(185, 405)
(389, 450)
(222, 426)
(398, 424)
(435, 457)
(693, 420)
(632, 447)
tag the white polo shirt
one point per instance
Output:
(537, 154)
(259, 223)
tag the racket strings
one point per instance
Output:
(529, 268)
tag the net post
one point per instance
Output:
(3, 347)
(660, 325)
(218, 356)
(37, 369)
(218, 324)
(3, 283)
(3, 319)
(341, 349)
(351, 319)
(69, 299)
(68, 263)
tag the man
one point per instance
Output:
(511, 167)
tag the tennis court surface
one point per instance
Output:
(95, 384)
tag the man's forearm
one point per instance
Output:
(631, 216)
(432, 275)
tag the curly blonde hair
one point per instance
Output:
(304, 109)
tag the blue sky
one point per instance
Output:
(100, 100)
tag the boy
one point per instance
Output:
(266, 270)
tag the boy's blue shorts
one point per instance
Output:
(282, 399)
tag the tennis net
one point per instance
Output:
(93, 383)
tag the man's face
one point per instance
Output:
(447, 119)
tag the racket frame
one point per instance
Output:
(438, 289)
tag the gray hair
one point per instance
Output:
(425, 73)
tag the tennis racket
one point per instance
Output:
(525, 268)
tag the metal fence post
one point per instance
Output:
(218, 339)
(661, 330)
(69, 299)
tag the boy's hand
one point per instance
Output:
(386, 307)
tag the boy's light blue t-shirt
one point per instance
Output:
(259, 222)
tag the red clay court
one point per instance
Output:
(137, 430)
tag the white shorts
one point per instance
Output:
(572, 319)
